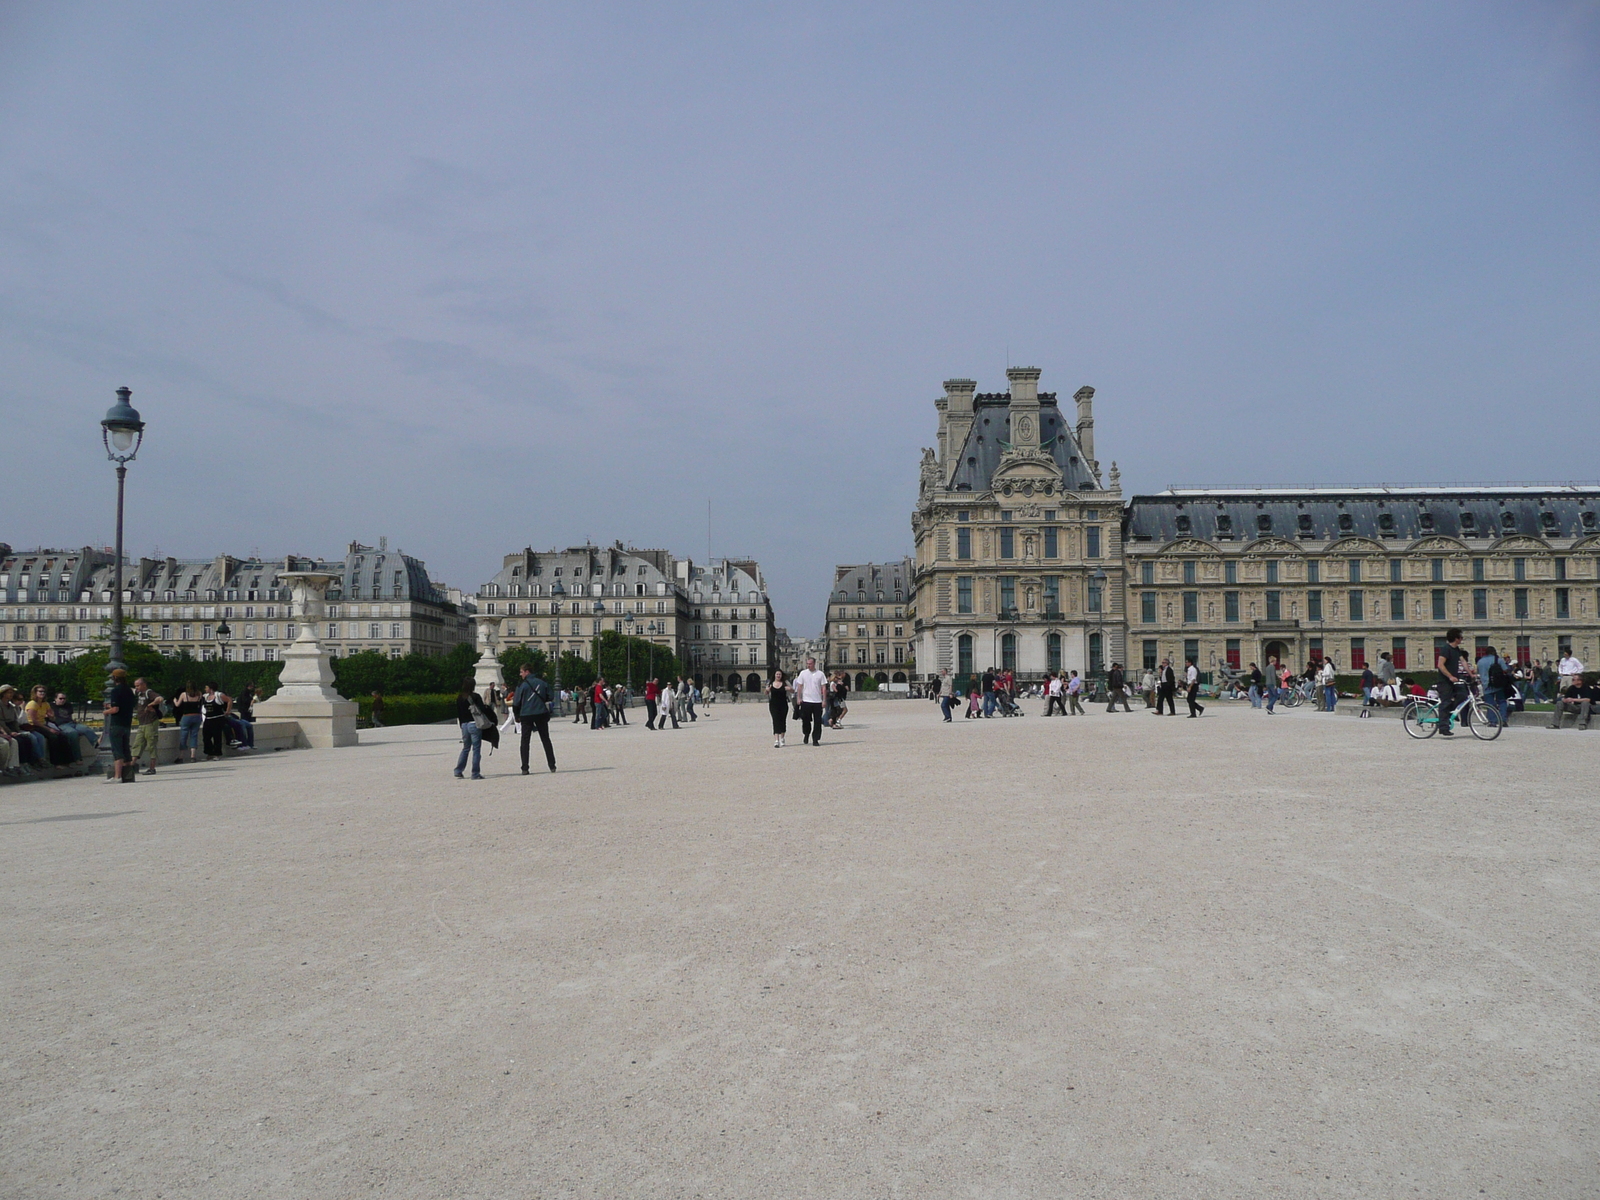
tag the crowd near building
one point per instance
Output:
(56, 604)
(717, 618)
(866, 631)
(1028, 560)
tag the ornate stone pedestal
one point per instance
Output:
(305, 692)
(487, 672)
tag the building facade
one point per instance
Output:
(733, 631)
(718, 619)
(867, 630)
(1233, 577)
(56, 605)
(1018, 562)
(560, 601)
(1027, 560)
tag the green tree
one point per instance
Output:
(512, 659)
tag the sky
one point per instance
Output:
(477, 277)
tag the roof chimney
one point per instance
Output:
(1085, 398)
(1024, 407)
(956, 421)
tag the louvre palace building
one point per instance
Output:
(1029, 558)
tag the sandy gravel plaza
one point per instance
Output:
(1104, 956)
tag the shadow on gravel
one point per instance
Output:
(75, 817)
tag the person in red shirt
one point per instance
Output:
(597, 697)
(651, 693)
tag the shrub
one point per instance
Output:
(413, 710)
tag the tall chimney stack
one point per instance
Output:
(957, 421)
(1024, 407)
(1085, 398)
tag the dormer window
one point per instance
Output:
(1469, 523)
(1305, 524)
(1346, 523)
(1264, 522)
(1224, 525)
(1386, 523)
(1508, 519)
(1427, 520)
(1183, 523)
(1548, 520)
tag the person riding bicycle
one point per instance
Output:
(1454, 667)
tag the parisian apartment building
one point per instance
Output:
(717, 618)
(867, 630)
(1028, 559)
(56, 604)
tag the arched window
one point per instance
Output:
(1053, 651)
(1008, 652)
(752, 682)
(964, 654)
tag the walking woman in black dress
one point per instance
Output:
(779, 697)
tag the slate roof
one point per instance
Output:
(1383, 514)
(872, 578)
(991, 425)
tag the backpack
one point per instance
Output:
(1499, 677)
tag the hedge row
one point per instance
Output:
(413, 710)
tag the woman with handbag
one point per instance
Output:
(472, 716)
(779, 697)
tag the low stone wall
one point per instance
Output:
(270, 736)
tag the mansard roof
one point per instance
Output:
(871, 577)
(991, 433)
(1390, 516)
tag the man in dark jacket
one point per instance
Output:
(1167, 690)
(1117, 689)
(533, 702)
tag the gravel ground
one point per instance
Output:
(1093, 956)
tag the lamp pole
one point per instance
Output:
(224, 632)
(599, 608)
(556, 592)
(122, 433)
(627, 621)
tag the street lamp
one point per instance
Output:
(122, 433)
(223, 634)
(627, 623)
(557, 591)
(599, 609)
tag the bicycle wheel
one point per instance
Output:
(1485, 722)
(1420, 720)
(1293, 698)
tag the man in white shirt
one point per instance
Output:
(1570, 670)
(811, 687)
(1054, 704)
(1191, 679)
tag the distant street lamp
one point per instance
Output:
(223, 634)
(627, 624)
(557, 591)
(122, 433)
(599, 609)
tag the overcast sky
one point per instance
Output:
(478, 277)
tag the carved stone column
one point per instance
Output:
(487, 673)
